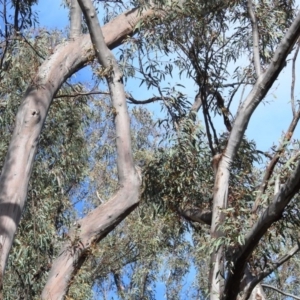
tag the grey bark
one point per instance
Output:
(255, 37)
(104, 218)
(97, 224)
(75, 19)
(260, 89)
(68, 58)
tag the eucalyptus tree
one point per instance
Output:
(234, 198)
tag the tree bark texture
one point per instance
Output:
(102, 220)
(258, 92)
(68, 58)
(75, 19)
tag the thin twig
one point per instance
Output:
(35, 51)
(129, 97)
(206, 122)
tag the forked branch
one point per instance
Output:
(272, 214)
(270, 168)
(248, 289)
(97, 224)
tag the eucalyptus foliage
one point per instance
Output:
(75, 167)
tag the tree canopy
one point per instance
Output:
(106, 194)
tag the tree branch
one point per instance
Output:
(96, 225)
(196, 215)
(75, 19)
(197, 103)
(280, 291)
(80, 94)
(248, 289)
(129, 97)
(16, 17)
(258, 92)
(114, 78)
(147, 101)
(255, 36)
(119, 285)
(275, 159)
(272, 214)
(293, 79)
(67, 58)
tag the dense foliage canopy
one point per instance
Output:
(215, 216)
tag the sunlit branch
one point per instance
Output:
(255, 36)
(75, 19)
(99, 222)
(280, 291)
(293, 79)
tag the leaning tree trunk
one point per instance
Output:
(100, 221)
(68, 58)
(257, 94)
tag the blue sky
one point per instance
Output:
(270, 119)
(53, 15)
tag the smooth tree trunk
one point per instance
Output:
(75, 19)
(258, 92)
(68, 58)
(88, 231)
(102, 220)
